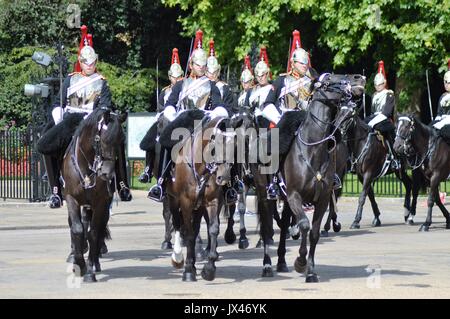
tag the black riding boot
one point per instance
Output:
(395, 164)
(52, 168)
(157, 191)
(146, 176)
(121, 175)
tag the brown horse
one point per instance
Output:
(200, 171)
(88, 170)
(431, 152)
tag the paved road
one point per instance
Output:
(394, 260)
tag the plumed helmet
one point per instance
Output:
(175, 70)
(298, 54)
(262, 67)
(87, 55)
(380, 77)
(198, 56)
(247, 74)
(212, 64)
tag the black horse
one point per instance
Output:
(88, 171)
(428, 152)
(310, 165)
(368, 155)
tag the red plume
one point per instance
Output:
(381, 69)
(83, 42)
(175, 57)
(296, 43)
(247, 64)
(448, 64)
(212, 52)
(198, 43)
(89, 40)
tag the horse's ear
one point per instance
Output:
(223, 124)
(122, 117)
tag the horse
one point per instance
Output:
(309, 167)
(88, 170)
(431, 155)
(368, 157)
(196, 189)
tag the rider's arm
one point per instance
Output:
(217, 104)
(230, 100)
(169, 110)
(105, 97)
(388, 108)
(64, 88)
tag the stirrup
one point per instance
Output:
(337, 184)
(55, 201)
(156, 192)
(238, 185)
(124, 192)
(273, 191)
(145, 177)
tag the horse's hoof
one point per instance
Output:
(230, 237)
(209, 273)
(98, 268)
(166, 245)
(243, 243)
(282, 267)
(177, 265)
(312, 278)
(90, 278)
(410, 222)
(447, 226)
(406, 218)
(189, 276)
(300, 266)
(424, 228)
(337, 227)
(376, 222)
(355, 225)
(70, 258)
(324, 233)
(267, 272)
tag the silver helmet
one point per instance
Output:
(447, 77)
(87, 55)
(212, 65)
(300, 55)
(246, 76)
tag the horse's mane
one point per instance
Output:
(91, 123)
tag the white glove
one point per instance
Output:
(377, 119)
(271, 113)
(170, 113)
(258, 112)
(57, 114)
(219, 111)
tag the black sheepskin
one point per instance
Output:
(55, 140)
(444, 132)
(184, 120)
(288, 125)
(148, 143)
(385, 126)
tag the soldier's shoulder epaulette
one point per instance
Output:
(73, 73)
(223, 82)
(102, 76)
(390, 92)
(165, 88)
(283, 74)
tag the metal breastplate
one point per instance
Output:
(259, 95)
(84, 97)
(378, 101)
(445, 103)
(241, 99)
(198, 94)
(298, 97)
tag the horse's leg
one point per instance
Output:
(266, 233)
(434, 193)
(327, 225)
(167, 215)
(209, 269)
(443, 210)
(230, 236)
(77, 235)
(376, 211)
(415, 193)
(177, 257)
(406, 180)
(285, 221)
(242, 207)
(190, 220)
(296, 205)
(314, 236)
(362, 199)
(199, 251)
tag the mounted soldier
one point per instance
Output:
(443, 111)
(382, 117)
(291, 91)
(194, 92)
(147, 144)
(247, 81)
(80, 94)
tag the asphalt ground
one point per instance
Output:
(391, 261)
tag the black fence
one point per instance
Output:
(21, 168)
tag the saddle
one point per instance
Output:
(444, 132)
